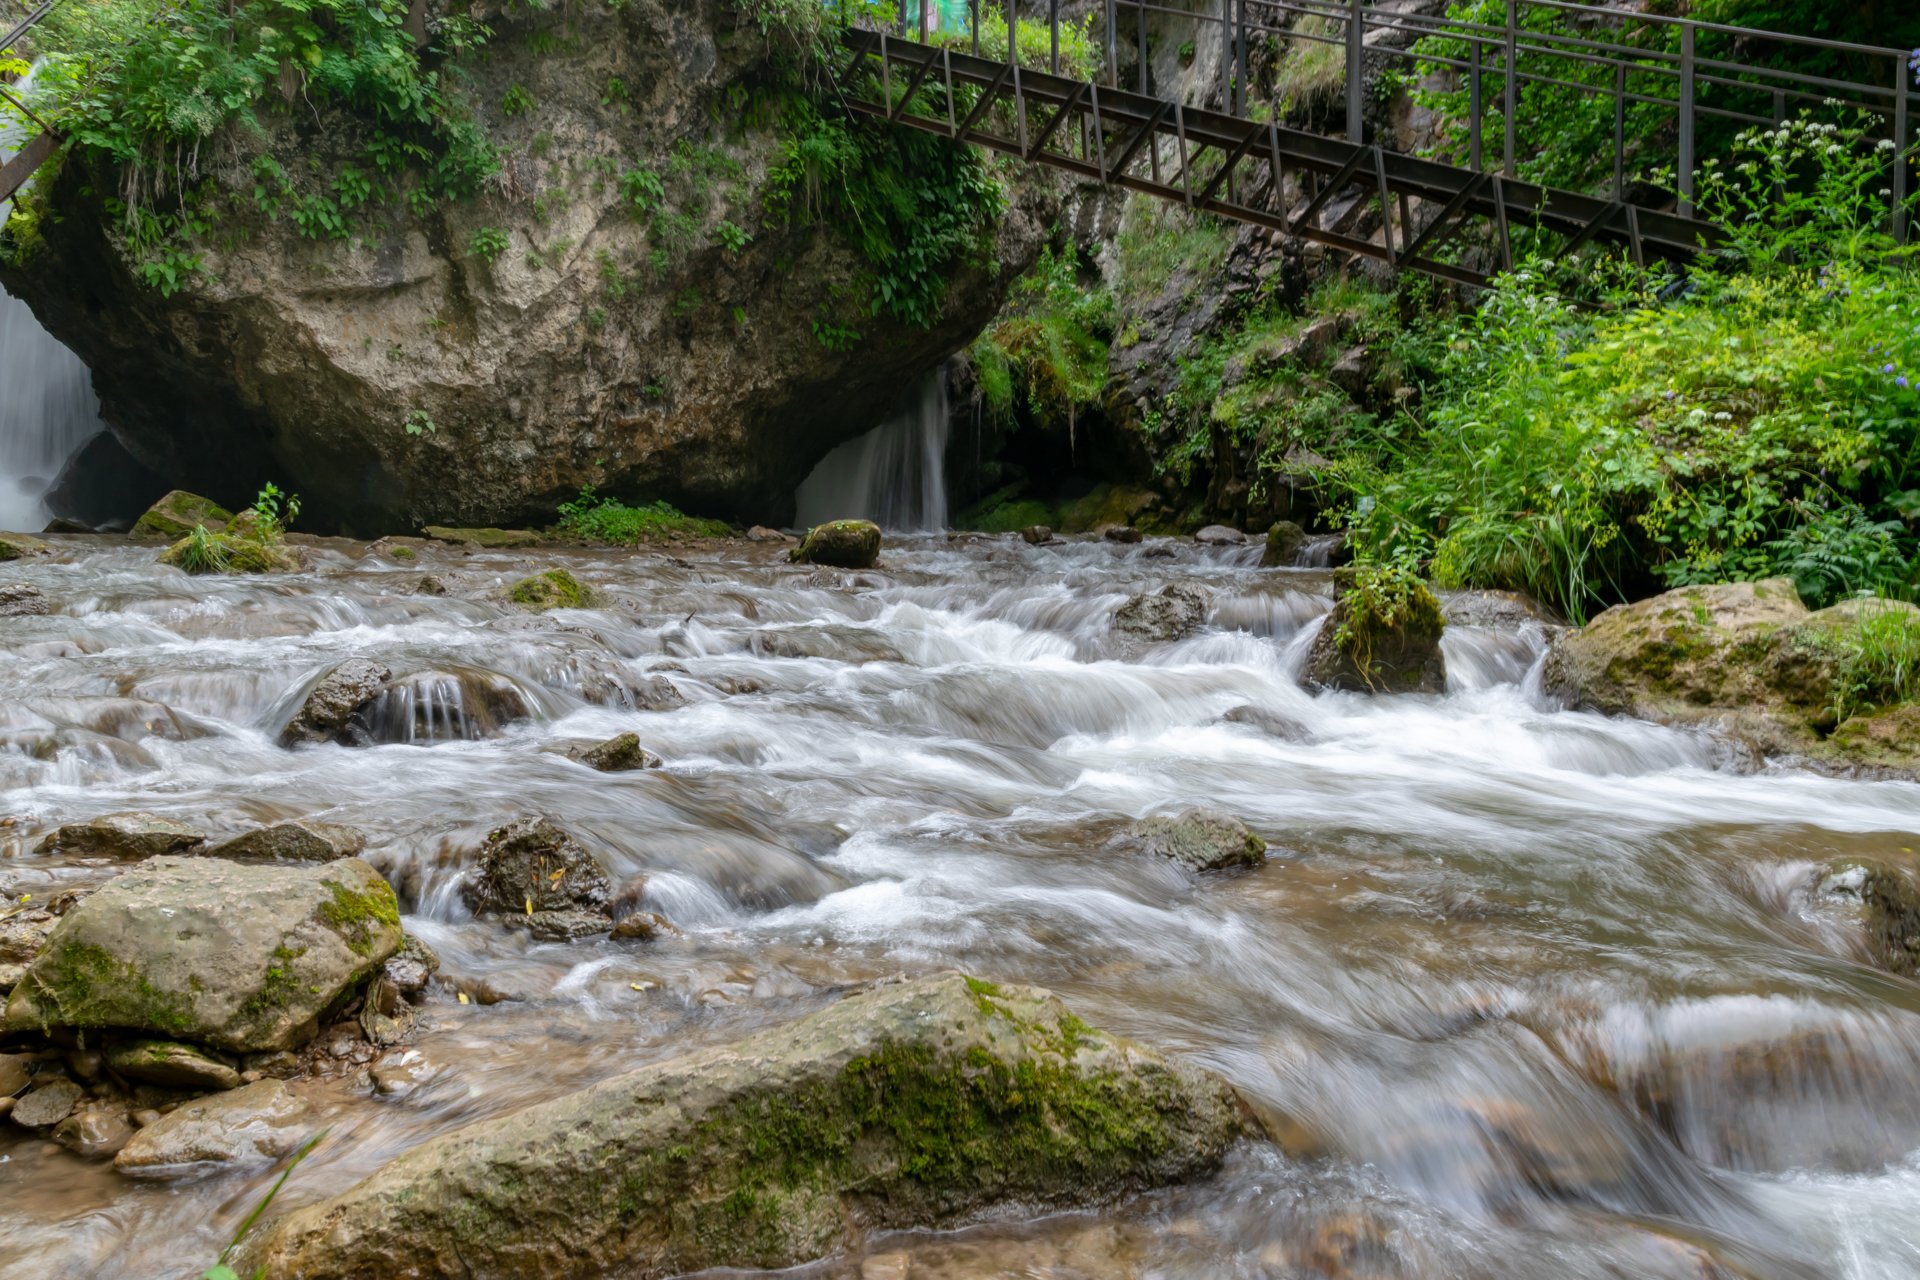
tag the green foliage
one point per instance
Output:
(916, 206)
(418, 423)
(220, 1270)
(146, 90)
(1080, 54)
(1378, 600)
(516, 101)
(275, 511)
(1879, 661)
(1046, 357)
(595, 518)
(1157, 242)
(1760, 423)
(489, 243)
(732, 237)
(641, 187)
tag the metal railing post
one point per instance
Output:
(1053, 24)
(973, 22)
(1113, 46)
(1902, 93)
(1226, 55)
(1013, 36)
(1620, 131)
(1511, 110)
(1475, 106)
(924, 6)
(1686, 119)
(901, 10)
(1356, 56)
(1240, 77)
(1140, 12)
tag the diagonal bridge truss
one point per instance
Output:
(1285, 179)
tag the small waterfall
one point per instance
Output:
(47, 405)
(895, 475)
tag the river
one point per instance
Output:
(1527, 993)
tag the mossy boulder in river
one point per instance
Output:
(1383, 636)
(243, 958)
(840, 544)
(552, 589)
(202, 552)
(1748, 660)
(924, 1104)
(178, 514)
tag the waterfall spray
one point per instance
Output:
(895, 475)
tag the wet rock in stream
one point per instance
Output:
(299, 840)
(621, 754)
(22, 600)
(227, 954)
(167, 1062)
(254, 1124)
(840, 544)
(1172, 613)
(916, 1104)
(1199, 840)
(532, 866)
(329, 709)
(123, 835)
(1364, 646)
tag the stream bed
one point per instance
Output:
(1527, 993)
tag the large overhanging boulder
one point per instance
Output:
(479, 362)
(921, 1104)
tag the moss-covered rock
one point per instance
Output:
(1383, 636)
(1284, 541)
(298, 840)
(921, 1104)
(239, 957)
(489, 538)
(621, 754)
(178, 514)
(1747, 660)
(199, 553)
(552, 589)
(16, 546)
(841, 544)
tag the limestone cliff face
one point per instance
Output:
(649, 353)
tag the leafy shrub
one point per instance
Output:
(595, 518)
(489, 243)
(1049, 348)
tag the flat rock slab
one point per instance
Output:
(921, 1104)
(124, 835)
(47, 1105)
(302, 840)
(238, 956)
(253, 1124)
(166, 1062)
(491, 538)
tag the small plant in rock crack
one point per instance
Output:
(419, 423)
(489, 243)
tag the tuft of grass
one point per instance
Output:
(203, 553)
(1879, 661)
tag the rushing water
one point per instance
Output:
(1527, 993)
(895, 474)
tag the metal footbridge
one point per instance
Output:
(1210, 143)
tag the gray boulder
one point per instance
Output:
(254, 1124)
(300, 840)
(841, 544)
(1219, 535)
(912, 1105)
(227, 954)
(1172, 613)
(328, 713)
(1199, 840)
(47, 1105)
(123, 835)
(22, 600)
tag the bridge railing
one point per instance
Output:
(1688, 84)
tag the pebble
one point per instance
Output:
(47, 1105)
